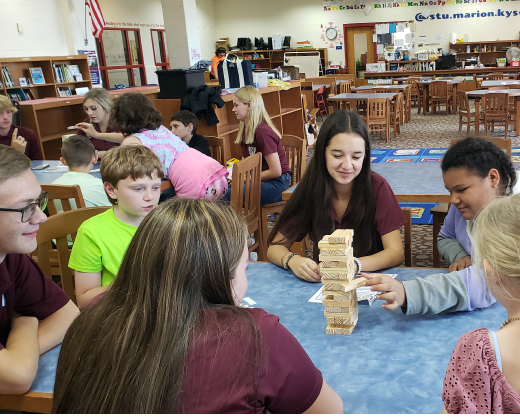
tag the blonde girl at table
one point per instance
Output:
(339, 191)
(475, 173)
(97, 104)
(257, 133)
(483, 375)
(169, 336)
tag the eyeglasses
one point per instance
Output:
(28, 211)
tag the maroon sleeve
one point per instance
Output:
(33, 150)
(291, 383)
(36, 294)
(266, 138)
(292, 226)
(389, 216)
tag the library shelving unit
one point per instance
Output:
(487, 58)
(283, 106)
(19, 67)
(274, 58)
(411, 65)
(50, 117)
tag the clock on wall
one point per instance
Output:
(331, 33)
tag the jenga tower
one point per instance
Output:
(337, 268)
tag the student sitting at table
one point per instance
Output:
(22, 139)
(78, 153)
(35, 312)
(220, 53)
(132, 178)
(170, 330)
(475, 172)
(184, 125)
(257, 133)
(483, 374)
(97, 104)
(339, 191)
(192, 174)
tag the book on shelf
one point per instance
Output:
(17, 95)
(64, 91)
(37, 75)
(7, 77)
(67, 73)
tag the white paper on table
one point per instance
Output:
(59, 168)
(399, 43)
(247, 302)
(380, 49)
(362, 293)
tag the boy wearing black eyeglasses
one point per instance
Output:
(45, 312)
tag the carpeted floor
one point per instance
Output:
(424, 131)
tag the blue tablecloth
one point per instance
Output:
(391, 363)
(46, 176)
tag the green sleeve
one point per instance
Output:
(86, 255)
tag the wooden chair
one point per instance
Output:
(58, 227)
(478, 85)
(218, 149)
(465, 111)
(407, 212)
(320, 101)
(395, 114)
(494, 76)
(63, 193)
(333, 89)
(414, 91)
(296, 153)
(378, 116)
(312, 119)
(245, 198)
(439, 94)
(344, 87)
(378, 90)
(495, 111)
(306, 88)
(166, 184)
(408, 104)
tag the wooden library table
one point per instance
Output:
(353, 98)
(478, 94)
(426, 93)
(357, 367)
(500, 83)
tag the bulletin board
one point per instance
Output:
(308, 61)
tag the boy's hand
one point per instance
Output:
(18, 142)
(393, 290)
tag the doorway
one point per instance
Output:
(358, 41)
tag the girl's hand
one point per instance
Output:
(87, 128)
(393, 290)
(461, 264)
(305, 268)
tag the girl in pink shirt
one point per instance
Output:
(192, 174)
(483, 376)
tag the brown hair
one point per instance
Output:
(77, 151)
(6, 105)
(133, 112)
(12, 162)
(129, 161)
(127, 352)
(186, 118)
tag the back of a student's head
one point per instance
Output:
(77, 151)
(133, 112)
(12, 164)
(132, 161)
(186, 118)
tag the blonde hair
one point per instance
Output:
(6, 105)
(101, 97)
(496, 239)
(133, 161)
(257, 113)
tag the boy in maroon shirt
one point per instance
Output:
(45, 312)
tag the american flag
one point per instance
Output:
(98, 23)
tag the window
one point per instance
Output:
(121, 58)
(159, 49)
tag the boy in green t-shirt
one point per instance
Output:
(132, 179)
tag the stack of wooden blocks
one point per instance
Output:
(338, 269)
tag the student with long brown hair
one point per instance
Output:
(169, 336)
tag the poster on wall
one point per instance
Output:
(93, 67)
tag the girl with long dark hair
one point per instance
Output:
(339, 191)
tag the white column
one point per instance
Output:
(182, 32)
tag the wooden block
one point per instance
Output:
(326, 246)
(341, 252)
(338, 312)
(343, 287)
(335, 276)
(335, 258)
(338, 330)
(346, 298)
(349, 302)
(341, 236)
(334, 270)
(342, 322)
(337, 264)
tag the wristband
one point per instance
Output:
(358, 263)
(286, 266)
(281, 260)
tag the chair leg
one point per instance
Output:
(265, 233)
(460, 123)
(260, 250)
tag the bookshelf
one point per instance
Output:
(283, 106)
(488, 58)
(19, 67)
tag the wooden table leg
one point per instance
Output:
(517, 117)
(454, 99)
(477, 115)
(438, 218)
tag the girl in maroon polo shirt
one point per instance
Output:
(257, 133)
(169, 336)
(339, 191)
(97, 104)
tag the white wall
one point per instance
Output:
(207, 27)
(301, 19)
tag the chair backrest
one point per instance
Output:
(407, 213)
(462, 99)
(439, 88)
(333, 88)
(496, 103)
(378, 90)
(217, 149)
(344, 87)
(503, 144)
(295, 151)
(377, 109)
(166, 184)
(58, 227)
(245, 190)
(63, 193)
(304, 109)
(494, 76)
(477, 82)
(306, 85)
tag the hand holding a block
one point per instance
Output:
(392, 290)
(305, 268)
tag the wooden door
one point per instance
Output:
(359, 41)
